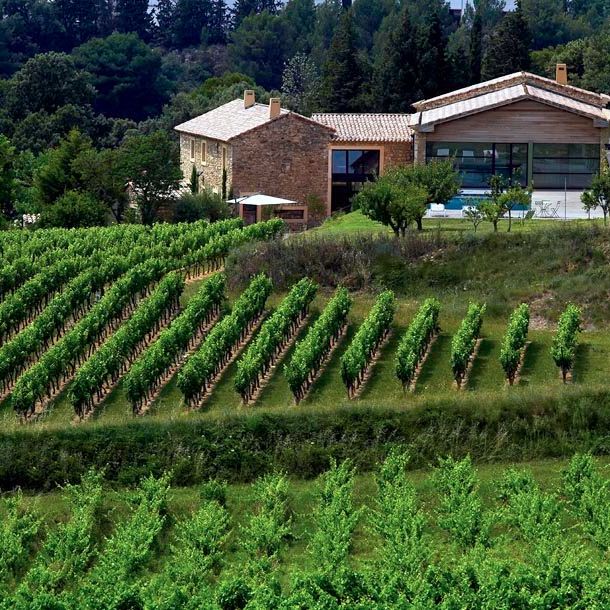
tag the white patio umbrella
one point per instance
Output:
(260, 200)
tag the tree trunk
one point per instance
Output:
(510, 221)
(420, 224)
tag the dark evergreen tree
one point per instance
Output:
(508, 49)
(343, 84)
(300, 17)
(164, 20)
(476, 49)
(190, 20)
(83, 19)
(396, 69)
(132, 16)
(218, 23)
(245, 8)
(432, 76)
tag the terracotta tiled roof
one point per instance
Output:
(368, 127)
(500, 97)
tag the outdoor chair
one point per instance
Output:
(437, 210)
(553, 210)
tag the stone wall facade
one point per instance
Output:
(210, 169)
(287, 157)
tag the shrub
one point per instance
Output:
(205, 205)
(74, 209)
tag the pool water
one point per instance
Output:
(461, 201)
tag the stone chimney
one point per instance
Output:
(561, 74)
(249, 98)
(274, 107)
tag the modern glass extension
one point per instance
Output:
(351, 168)
(551, 166)
(478, 161)
(557, 166)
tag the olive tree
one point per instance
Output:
(392, 201)
(598, 196)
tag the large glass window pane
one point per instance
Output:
(370, 162)
(339, 162)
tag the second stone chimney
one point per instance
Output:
(274, 107)
(561, 74)
(249, 98)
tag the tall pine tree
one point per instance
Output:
(476, 49)
(164, 18)
(343, 80)
(508, 49)
(132, 16)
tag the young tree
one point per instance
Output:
(438, 178)
(474, 215)
(514, 196)
(151, 166)
(394, 200)
(492, 212)
(508, 49)
(194, 181)
(343, 77)
(598, 195)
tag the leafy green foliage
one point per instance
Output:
(218, 347)
(148, 372)
(310, 352)
(18, 529)
(274, 335)
(366, 342)
(460, 510)
(114, 356)
(465, 340)
(563, 350)
(514, 341)
(416, 340)
(203, 205)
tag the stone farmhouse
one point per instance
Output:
(542, 132)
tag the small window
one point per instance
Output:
(224, 158)
(192, 149)
(204, 152)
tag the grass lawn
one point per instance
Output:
(355, 222)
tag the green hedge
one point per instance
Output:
(301, 441)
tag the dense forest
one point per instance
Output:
(91, 89)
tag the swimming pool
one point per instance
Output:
(461, 201)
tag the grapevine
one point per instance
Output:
(514, 341)
(375, 328)
(565, 341)
(416, 341)
(273, 337)
(464, 341)
(114, 356)
(310, 353)
(216, 351)
(149, 371)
